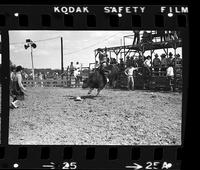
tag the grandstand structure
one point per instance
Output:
(157, 79)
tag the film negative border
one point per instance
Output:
(93, 18)
(91, 157)
(87, 157)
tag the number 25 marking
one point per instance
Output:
(71, 165)
(152, 165)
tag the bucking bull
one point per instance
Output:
(97, 80)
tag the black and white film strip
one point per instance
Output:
(52, 57)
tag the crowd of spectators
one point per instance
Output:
(148, 36)
(155, 63)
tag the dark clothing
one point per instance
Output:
(170, 61)
(164, 62)
(147, 37)
(16, 91)
(128, 62)
(178, 61)
(122, 65)
(102, 58)
(139, 62)
(156, 62)
(161, 34)
(103, 71)
(136, 39)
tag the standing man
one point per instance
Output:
(146, 37)
(170, 75)
(17, 89)
(41, 79)
(147, 62)
(103, 63)
(121, 64)
(156, 63)
(136, 39)
(161, 33)
(170, 59)
(164, 64)
(129, 73)
(77, 66)
(174, 35)
(177, 60)
(96, 64)
(71, 69)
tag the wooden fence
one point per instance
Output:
(52, 83)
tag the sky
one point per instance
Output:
(77, 46)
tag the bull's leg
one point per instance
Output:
(98, 91)
(90, 91)
(114, 83)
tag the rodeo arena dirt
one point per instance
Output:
(57, 109)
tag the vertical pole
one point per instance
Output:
(62, 69)
(95, 59)
(124, 47)
(32, 64)
(167, 52)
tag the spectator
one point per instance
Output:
(147, 62)
(135, 61)
(129, 73)
(25, 76)
(170, 75)
(136, 39)
(121, 64)
(156, 63)
(170, 59)
(161, 33)
(96, 64)
(114, 61)
(147, 37)
(108, 61)
(163, 63)
(170, 71)
(174, 35)
(71, 68)
(131, 61)
(140, 61)
(17, 89)
(128, 61)
(168, 35)
(77, 66)
(177, 60)
(44, 76)
(41, 78)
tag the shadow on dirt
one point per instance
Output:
(89, 97)
(82, 97)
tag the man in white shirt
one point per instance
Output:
(147, 62)
(170, 75)
(77, 66)
(129, 73)
(170, 71)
